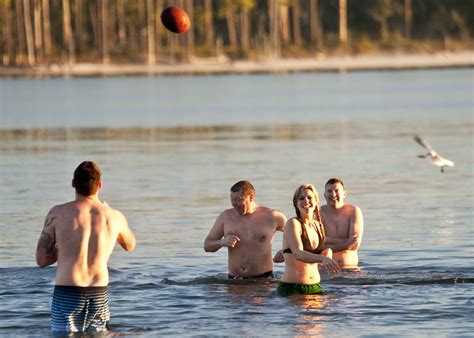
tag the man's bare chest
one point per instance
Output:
(250, 231)
(337, 226)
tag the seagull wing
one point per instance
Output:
(423, 143)
(448, 163)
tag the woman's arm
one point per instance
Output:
(293, 237)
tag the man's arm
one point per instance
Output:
(216, 240)
(355, 234)
(281, 222)
(293, 238)
(333, 241)
(357, 229)
(126, 238)
(344, 244)
(213, 241)
(46, 250)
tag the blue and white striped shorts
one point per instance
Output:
(80, 309)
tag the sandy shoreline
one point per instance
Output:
(215, 66)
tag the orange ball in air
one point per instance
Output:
(175, 19)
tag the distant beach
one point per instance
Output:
(207, 66)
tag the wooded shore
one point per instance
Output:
(209, 66)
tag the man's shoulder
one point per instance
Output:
(61, 207)
(111, 213)
(226, 214)
(263, 211)
(350, 208)
(266, 210)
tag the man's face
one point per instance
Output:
(335, 194)
(241, 202)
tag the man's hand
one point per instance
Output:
(230, 241)
(353, 244)
(327, 253)
(279, 257)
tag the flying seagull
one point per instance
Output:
(432, 155)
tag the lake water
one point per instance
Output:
(171, 147)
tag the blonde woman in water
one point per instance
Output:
(303, 243)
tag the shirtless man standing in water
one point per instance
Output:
(343, 223)
(80, 236)
(247, 230)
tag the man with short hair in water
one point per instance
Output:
(247, 230)
(343, 223)
(80, 236)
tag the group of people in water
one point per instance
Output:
(80, 236)
(329, 236)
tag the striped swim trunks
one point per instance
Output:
(80, 309)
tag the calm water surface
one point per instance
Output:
(170, 148)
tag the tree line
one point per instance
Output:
(36, 32)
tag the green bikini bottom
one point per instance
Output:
(287, 289)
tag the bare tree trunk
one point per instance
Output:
(79, 24)
(94, 10)
(273, 10)
(343, 22)
(104, 29)
(47, 30)
(29, 33)
(408, 17)
(182, 51)
(245, 29)
(316, 34)
(6, 17)
(122, 31)
(19, 59)
(38, 29)
(142, 27)
(112, 23)
(284, 22)
(3, 29)
(171, 41)
(9, 34)
(68, 36)
(209, 23)
(384, 26)
(150, 10)
(296, 23)
(159, 28)
(229, 15)
(190, 34)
